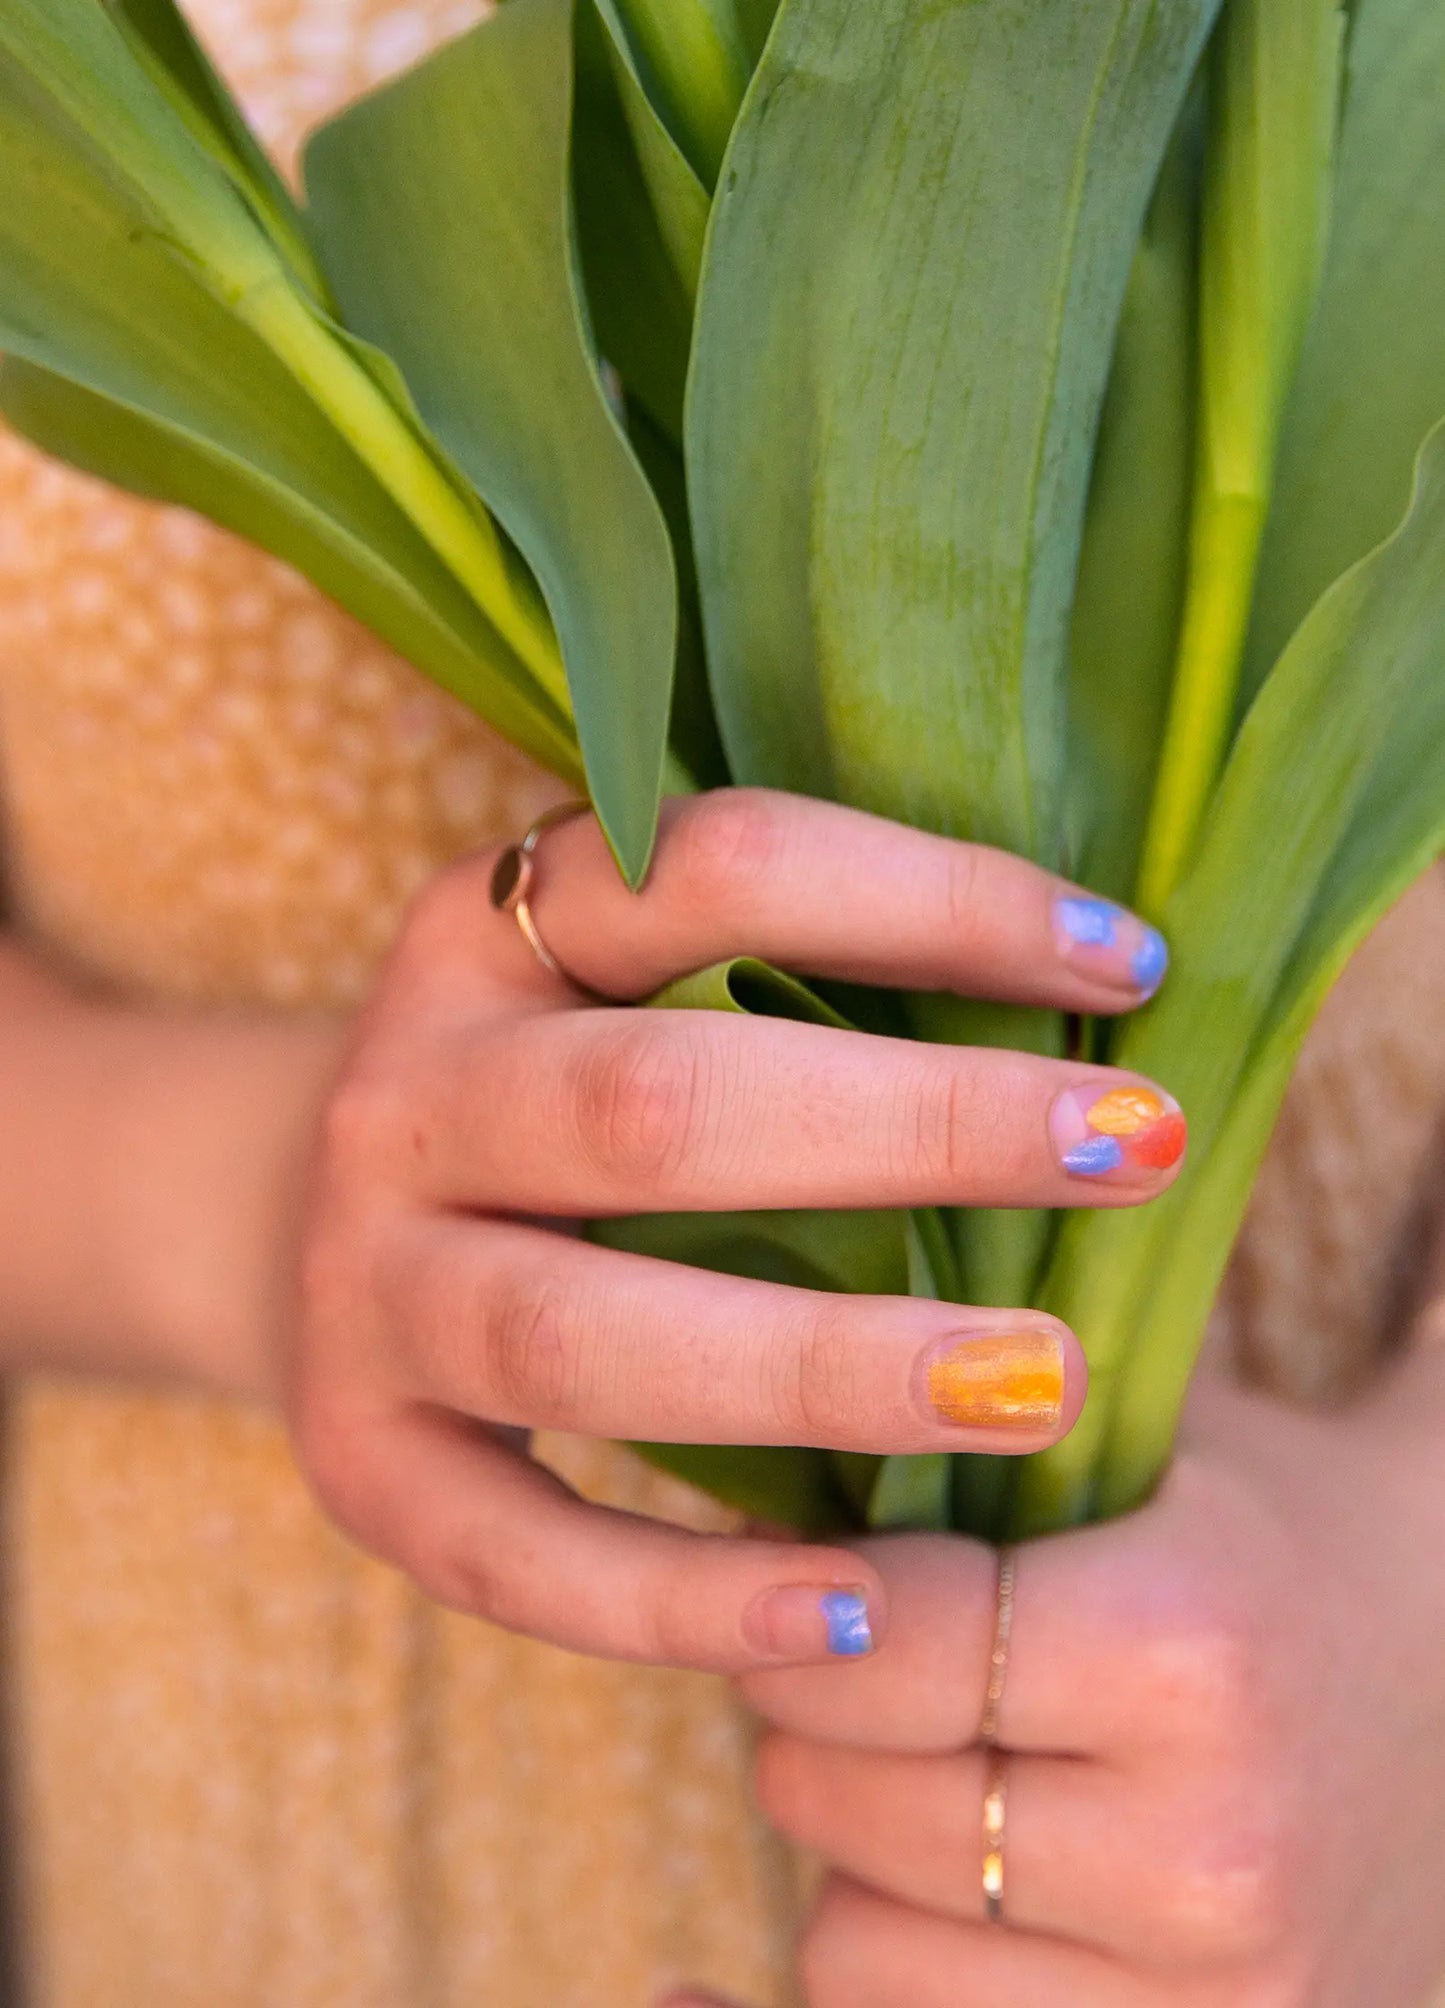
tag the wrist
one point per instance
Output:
(210, 1133)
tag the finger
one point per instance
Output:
(861, 1950)
(489, 1533)
(518, 1325)
(1103, 1654)
(1089, 1855)
(618, 1112)
(828, 891)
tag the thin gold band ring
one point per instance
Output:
(514, 880)
(995, 1789)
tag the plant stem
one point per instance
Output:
(1224, 551)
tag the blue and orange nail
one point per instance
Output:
(1099, 1130)
(1108, 944)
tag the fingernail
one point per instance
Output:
(1001, 1381)
(1104, 1131)
(806, 1621)
(1108, 944)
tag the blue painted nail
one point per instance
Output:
(1149, 961)
(845, 1613)
(1097, 1154)
(1091, 923)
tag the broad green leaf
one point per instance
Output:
(133, 266)
(891, 407)
(1130, 589)
(1371, 382)
(442, 203)
(679, 200)
(1274, 91)
(1330, 805)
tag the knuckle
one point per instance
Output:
(367, 1113)
(529, 1319)
(1226, 1893)
(726, 845)
(962, 890)
(461, 1579)
(816, 1383)
(1205, 1661)
(635, 1098)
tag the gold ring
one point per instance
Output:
(995, 1789)
(995, 1810)
(514, 880)
(1003, 1625)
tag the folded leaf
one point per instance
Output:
(679, 199)
(443, 202)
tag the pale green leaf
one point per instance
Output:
(442, 203)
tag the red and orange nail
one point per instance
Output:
(1101, 1131)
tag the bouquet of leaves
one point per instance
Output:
(1010, 416)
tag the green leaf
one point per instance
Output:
(784, 1488)
(442, 203)
(1274, 91)
(693, 58)
(891, 409)
(368, 560)
(160, 37)
(1130, 589)
(640, 308)
(679, 200)
(1330, 805)
(134, 267)
(1371, 381)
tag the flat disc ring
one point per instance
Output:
(514, 881)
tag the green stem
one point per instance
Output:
(1224, 554)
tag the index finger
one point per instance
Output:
(825, 891)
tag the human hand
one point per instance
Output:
(1225, 1726)
(486, 1103)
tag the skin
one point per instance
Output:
(373, 1226)
(1226, 1716)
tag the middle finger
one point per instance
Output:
(617, 1112)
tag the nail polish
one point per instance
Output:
(803, 1622)
(999, 1381)
(845, 1613)
(1108, 944)
(1099, 1129)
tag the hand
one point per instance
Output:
(1226, 1724)
(485, 1104)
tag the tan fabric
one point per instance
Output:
(256, 1770)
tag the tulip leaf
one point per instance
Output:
(1372, 378)
(442, 203)
(1331, 804)
(1130, 588)
(679, 199)
(640, 309)
(891, 409)
(133, 267)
